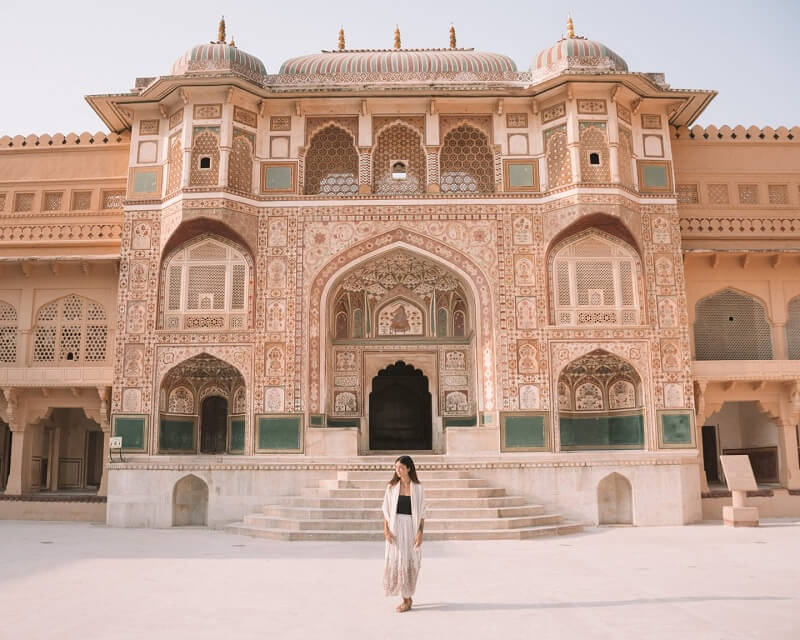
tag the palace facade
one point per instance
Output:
(546, 278)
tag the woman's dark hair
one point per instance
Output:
(406, 461)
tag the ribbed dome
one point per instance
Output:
(398, 61)
(579, 54)
(219, 56)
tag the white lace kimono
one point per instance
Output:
(402, 559)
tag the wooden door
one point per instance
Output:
(214, 425)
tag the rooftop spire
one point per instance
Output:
(570, 27)
(221, 31)
(232, 42)
(452, 36)
(341, 38)
(396, 36)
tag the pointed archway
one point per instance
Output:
(400, 410)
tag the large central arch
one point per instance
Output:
(475, 281)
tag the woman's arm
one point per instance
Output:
(418, 538)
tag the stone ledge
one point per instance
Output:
(58, 498)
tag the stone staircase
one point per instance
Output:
(459, 507)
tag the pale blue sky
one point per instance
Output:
(54, 53)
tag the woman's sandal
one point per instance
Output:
(405, 606)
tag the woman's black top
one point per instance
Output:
(404, 505)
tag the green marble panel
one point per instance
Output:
(279, 432)
(132, 430)
(676, 428)
(176, 434)
(237, 434)
(602, 432)
(459, 421)
(145, 181)
(279, 178)
(524, 431)
(655, 176)
(520, 175)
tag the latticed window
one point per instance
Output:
(793, 329)
(72, 329)
(206, 287)
(594, 281)
(331, 164)
(398, 161)
(466, 162)
(8, 333)
(731, 326)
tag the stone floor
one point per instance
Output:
(77, 580)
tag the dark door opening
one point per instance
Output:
(94, 458)
(710, 454)
(214, 425)
(400, 410)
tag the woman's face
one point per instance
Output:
(401, 470)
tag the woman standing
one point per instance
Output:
(403, 521)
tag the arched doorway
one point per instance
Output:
(400, 410)
(614, 500)
(214, 425)
(190, 502)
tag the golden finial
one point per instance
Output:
(232, 42)
(221, 31)
(570, 27)
(452, 36)
(341, 38)
(396, 36)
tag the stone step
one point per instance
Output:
(336, 513)
(368, 503)
(261, 521)
(386, 476)
(351, 536)
(380, 485)
(430, 494)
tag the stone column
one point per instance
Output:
(19, 477)
(105, 427)
(788, 463)
(55, 455)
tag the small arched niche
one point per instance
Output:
(190, 502)
(614, 500)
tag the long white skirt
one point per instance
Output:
(402, 560)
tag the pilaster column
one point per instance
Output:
(105, 426)
(613, 160)
(788, 463)
(224, 163)
(432, 170)
(365, 170)
(700, 418)
(779, 350)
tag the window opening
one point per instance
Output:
(399, 170)
(594, 158)
(205, 162)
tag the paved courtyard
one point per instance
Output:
(76, 580)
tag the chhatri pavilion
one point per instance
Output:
(262, 285)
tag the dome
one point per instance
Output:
(576, 53)
(219, 56)
(457, 63)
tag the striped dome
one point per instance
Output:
(218, 56)
(386, 61)
(577, 53)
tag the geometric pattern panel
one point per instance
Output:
(731, 326)
(331, 163)
(466, 162)
(72, 329)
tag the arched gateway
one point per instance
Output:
(401, 333)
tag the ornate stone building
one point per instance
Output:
(258, 280)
